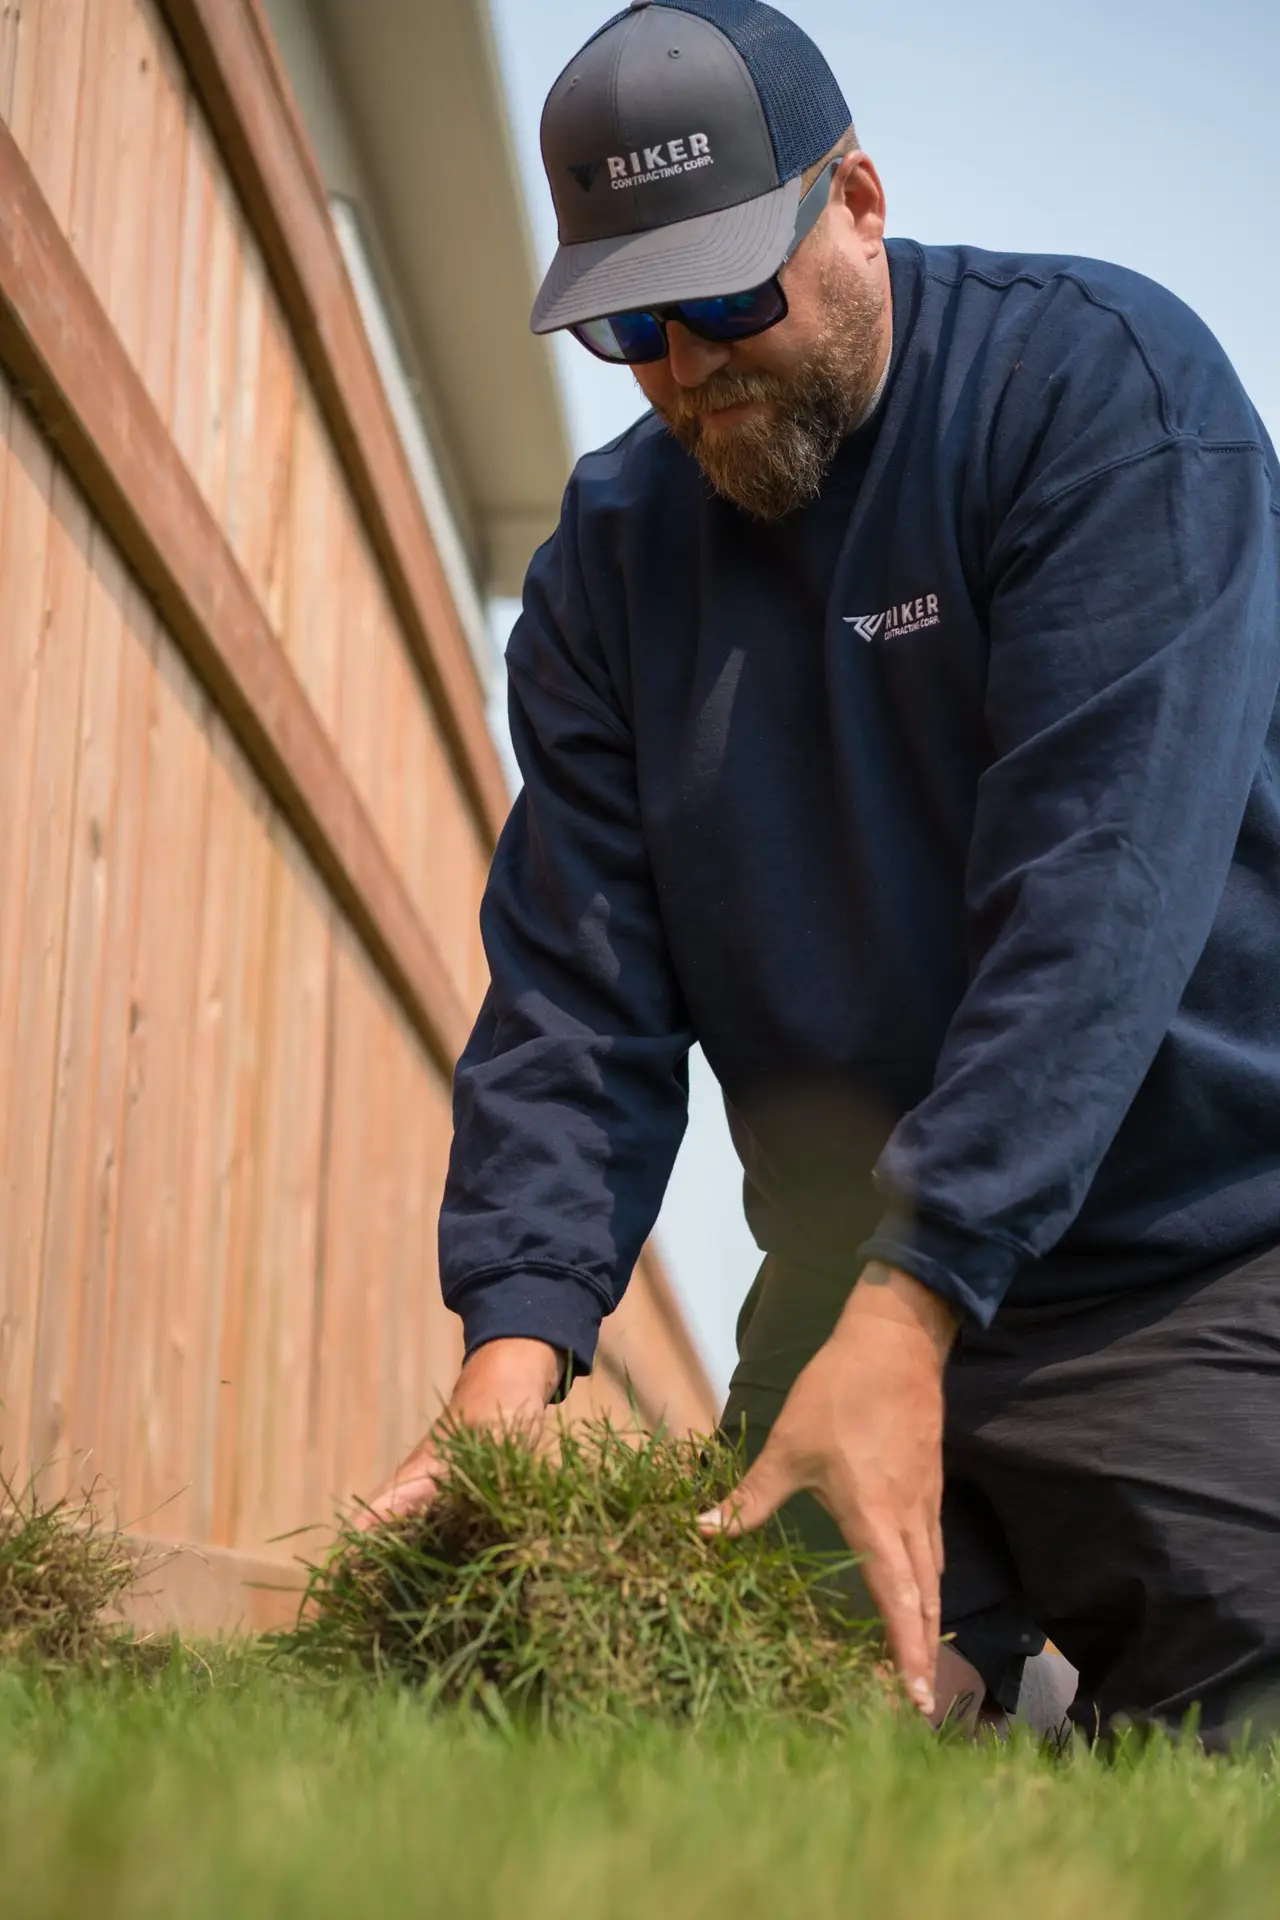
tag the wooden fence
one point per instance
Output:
(247, 802)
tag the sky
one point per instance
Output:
(1127, 130)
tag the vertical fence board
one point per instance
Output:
(260, 482)
(187, 1324)
(269, 478)
(247, 393)
(71, 1309)
(186, 410)
(119, 1064)
(131, 162)
(236, 877)
(10, 28)
(23, 560)
(242, 1366)
(188, 1389)
(43, 920)
(277, 1340)
(165, 208)
(56, 94)
(119, 244)
(23, 22)
(150, 1335)
(248, 1066)
(93, 213)
(323, 1484)
(223, 1045)
(288, 1241)
(364, 1454)
(147, 1367)
(84, 177)
(358, 1122)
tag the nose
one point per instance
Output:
(692, 360)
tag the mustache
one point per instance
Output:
(725, 389)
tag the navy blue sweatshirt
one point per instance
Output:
(945, 813)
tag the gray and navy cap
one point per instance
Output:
(675, 142)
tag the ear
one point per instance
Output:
(856, 187)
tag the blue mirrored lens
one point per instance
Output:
(735, 316)
(633, 337)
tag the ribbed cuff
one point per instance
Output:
(557, 1307)
(972, 1272)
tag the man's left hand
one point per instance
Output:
(862, 1430)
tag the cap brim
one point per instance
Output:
(723, 252)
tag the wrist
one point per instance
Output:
(886, 1293)
(515, 1369)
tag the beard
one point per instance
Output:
(772, 465)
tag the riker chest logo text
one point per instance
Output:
(909, 616)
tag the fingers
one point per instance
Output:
(411, 1490)
(902, 1567)
(920, 1551)
(935, 1542)
(765, 1487)
(891, 1577)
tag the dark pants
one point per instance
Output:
(1112, 1472)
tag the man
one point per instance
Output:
(896, 707)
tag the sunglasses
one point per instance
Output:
(637, 338)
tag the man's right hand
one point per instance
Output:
(506, 1385)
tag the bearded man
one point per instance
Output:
(896, 705)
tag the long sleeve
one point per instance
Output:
(571, 1098)
(1134, 663)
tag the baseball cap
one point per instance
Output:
(675, 142)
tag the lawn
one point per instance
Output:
(249, 1793)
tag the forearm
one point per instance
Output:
(506, 1378)
(888, 1295)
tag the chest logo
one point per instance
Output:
(909, 616)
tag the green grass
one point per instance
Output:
(60, 1570)
(619, 1722)
(558, 1589)
(257, 1795)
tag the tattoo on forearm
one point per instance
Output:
(876, 1274)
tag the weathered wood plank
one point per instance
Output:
(22, 22)
(115, 1088)
(125, 221)
(259, 483)
(70, 1318)
(91, 221)
(150, 1336)
(56, 31)
(165, 205)
(338, 1349)
(224, 1046)
(268, 478)
(241, 1365)
(43, 934)
(10, 28)
(190, 1300)
(187, 414)
(276, 1342)
(24, 539)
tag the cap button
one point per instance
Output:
(637, 4)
